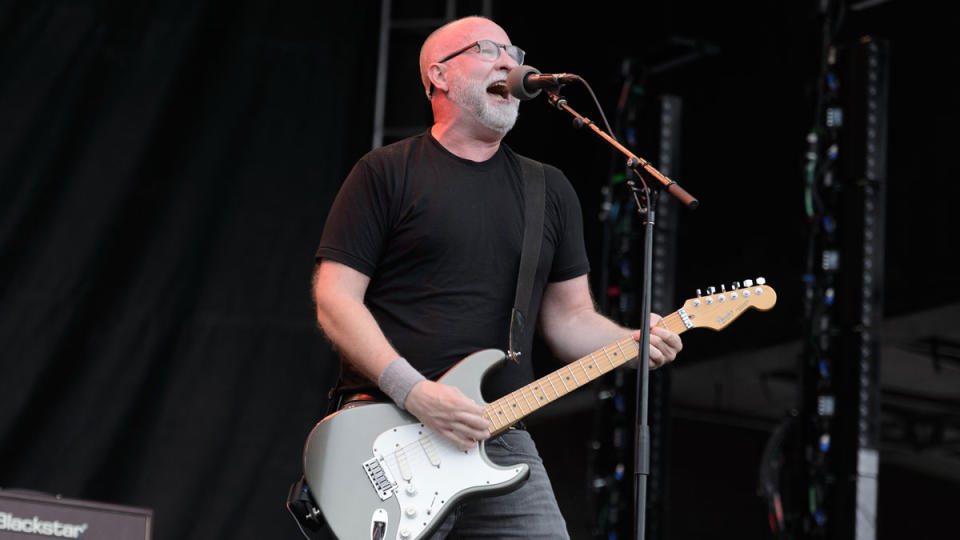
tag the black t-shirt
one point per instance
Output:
(440, 238)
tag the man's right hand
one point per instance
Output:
(446, 410)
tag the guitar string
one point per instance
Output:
(511, 406)
(674, 322)
(535, 391)
(415, 454)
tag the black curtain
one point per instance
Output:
(165, 170)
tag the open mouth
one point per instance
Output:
(499, 88)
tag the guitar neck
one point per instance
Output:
(509, 409)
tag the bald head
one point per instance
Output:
(453, 36)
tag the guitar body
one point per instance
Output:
(375, 469)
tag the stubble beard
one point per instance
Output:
(472, 95)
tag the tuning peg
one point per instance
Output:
(760, 281)
(698, 293)
(711, 290)
(748, 283)
(723, 288)
(735, 285)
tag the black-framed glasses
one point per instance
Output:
(489, 50)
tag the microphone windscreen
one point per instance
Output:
(515, 82)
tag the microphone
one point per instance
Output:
(525, 82)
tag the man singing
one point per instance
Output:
(417, 268)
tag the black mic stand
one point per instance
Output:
(648, 213)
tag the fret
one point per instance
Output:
(503, 416)
(533, 392)
(516, 403)
(585, 373)
(509, 409)
(525, 399)
(529, 388)
(543, 395)
(572, 374)
(595, 361)
(674, 323)
(623, 354)
(555, 393)
(508, 405)
(605, 353)
(505, 410)
(515, 417)
(491, 419)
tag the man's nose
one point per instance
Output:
(505, 61)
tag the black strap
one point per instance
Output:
(534, 191)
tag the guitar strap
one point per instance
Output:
(534, 197)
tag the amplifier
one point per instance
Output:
(29, 515)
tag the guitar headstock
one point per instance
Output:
(718, 309)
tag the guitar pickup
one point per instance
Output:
(403, 464)
(380, 477)
(430, 450)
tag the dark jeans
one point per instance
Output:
(529, 512)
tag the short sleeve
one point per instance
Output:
(357, 225)
(570, 257)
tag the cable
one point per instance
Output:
(597, 105)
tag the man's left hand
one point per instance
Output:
(664, 344)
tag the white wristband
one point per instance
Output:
(398, 379)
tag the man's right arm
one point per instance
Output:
(338, 291)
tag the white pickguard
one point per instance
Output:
(429, 471)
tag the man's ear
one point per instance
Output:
(437, 73)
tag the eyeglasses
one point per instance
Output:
(489, 50)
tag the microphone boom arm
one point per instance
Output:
(633, 161)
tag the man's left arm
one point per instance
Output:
(571, 326)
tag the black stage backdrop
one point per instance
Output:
(165, 170)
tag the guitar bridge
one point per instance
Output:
(380, 477)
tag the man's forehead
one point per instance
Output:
(469, 31)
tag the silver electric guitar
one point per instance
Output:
(376, 472)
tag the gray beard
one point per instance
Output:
(473, 97)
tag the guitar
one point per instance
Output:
(376, 472)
